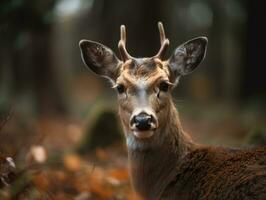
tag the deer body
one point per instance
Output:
(218, 173)
(164, 162)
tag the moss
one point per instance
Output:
(256, 137)
(102, 130)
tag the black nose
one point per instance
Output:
(142, 121)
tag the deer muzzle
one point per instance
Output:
(143, 123)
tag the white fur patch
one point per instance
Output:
(134, 143)
(143, 134)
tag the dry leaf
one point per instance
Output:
(37, 154)
(41, 181)
(72, 162)
(119, 174)
(101, 154)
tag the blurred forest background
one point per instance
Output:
(58, 120)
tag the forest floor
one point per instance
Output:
(49, 167)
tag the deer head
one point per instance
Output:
(143, 84)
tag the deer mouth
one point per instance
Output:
(143, 134)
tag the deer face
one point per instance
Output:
(143, 88)
(143, 84)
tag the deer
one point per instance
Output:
(164, 162)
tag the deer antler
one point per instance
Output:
(122, 44)
(164, 42)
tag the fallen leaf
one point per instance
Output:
(37, 154)
(72, 162)
(119, 174)
(41, 181)
(101, 154)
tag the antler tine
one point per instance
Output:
(164, 41)
(122, 44)
(161, 31)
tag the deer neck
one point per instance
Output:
(153, 162)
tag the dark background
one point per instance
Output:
(40, 59)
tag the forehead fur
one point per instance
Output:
(149, 69)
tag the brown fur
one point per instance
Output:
(177, 168)
(171, 166)
(219, 173)
(167, 164)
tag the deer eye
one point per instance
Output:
(120, 88)
(164, 86)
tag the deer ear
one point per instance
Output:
(187, 56)
(100, 59)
